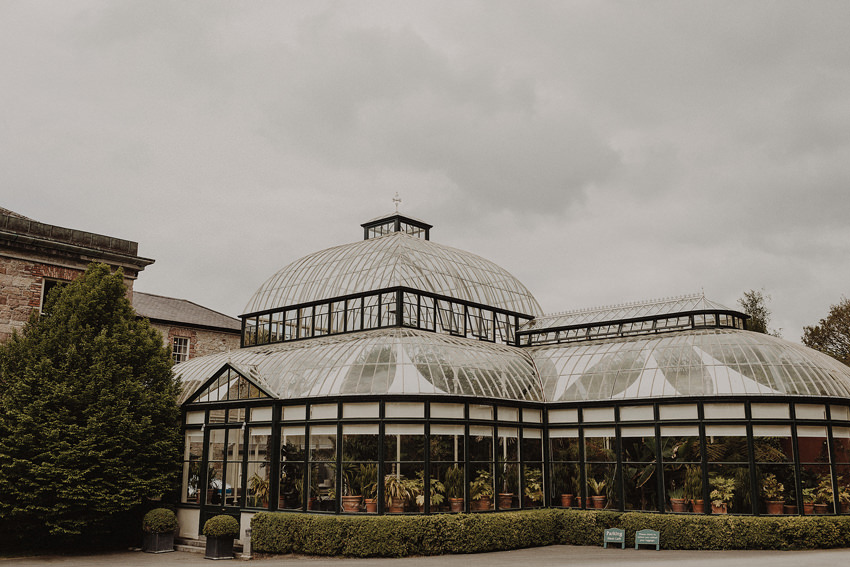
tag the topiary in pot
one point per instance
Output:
(158, 526)
(220, 531)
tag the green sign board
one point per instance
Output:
(648, 537)
(614, 535)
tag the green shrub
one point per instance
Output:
(399, 536)
(159, 521)
(221, 526)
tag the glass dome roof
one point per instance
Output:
(396, 259)
(713, 362)
(386, 361)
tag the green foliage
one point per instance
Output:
(398, 536)
(221, 526)
(159, 521)
(454, 482)
(754, 304)
(89, 424)
(482, 486)
(722, 490)
(771, 488)
(832, 335)
(693, 483)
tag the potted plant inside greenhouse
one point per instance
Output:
(843, 496)
(563, 484)
(368, 478)
(158, 526)
(722, 493)
(809, 501)
(598, 496)
(352, 496)
(693, 488)
(773, 492)
(823, 496)
(678, 502)
(454, 488)
(533, 487)
(259, 488)
(481, 491)
(437, 492)
(220, 531)
(396, 492)
(509, 487)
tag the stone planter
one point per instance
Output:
(158, 543)
(219, 548)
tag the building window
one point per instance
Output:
(180, 349)
(47, 287)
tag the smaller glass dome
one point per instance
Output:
(386, 361)
(714, 362)
(395, 259)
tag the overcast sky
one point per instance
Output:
(602, 152)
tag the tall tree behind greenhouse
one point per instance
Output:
(89, 424)
(754, 304)
(832, 335)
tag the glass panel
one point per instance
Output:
(261, 414)
(217, 416)
(679, 411)
(532, 415)
(294, 413)
(480, 443)
(323, 411)
(724, 411)
(598, 414)
(636, 413)
(404, 409)
(839, 413)
(447, 410)
(192, 454)
(360, 410)
(810, 411)
(841, 444)
(195, 417)
(477, 411)
(323, 443)
(508, 414)
(770, 411)
(532, 445)
(404, 442)
(728, 469)
(447, 443)
(508, 444)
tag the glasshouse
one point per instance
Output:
(395, 375)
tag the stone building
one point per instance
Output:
(188, 329)
(35, 256)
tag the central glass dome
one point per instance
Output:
(395, 259)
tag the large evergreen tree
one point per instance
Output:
(89, 425)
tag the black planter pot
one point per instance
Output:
(158, 543)
(219, 548)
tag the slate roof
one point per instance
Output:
(172, 310)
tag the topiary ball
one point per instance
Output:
(159, 521)
(221, 526)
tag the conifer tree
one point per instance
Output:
(89, 424)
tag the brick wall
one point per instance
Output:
(21, 284)
(201, 341)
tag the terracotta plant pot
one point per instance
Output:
(351, 503)
(394, 508)
(481, 504)
(789, 509)
(845, 507)
(678, 505)
(371, 505)
(719, 508)
(312, 503)
(577, 502)
(774, 507)
(456, 504)
(599, 502)
(821, 508)
(699, 506)
(566, 500)
(808, 508)
(505, 500)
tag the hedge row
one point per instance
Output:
(399, 536)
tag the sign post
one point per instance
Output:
(614, 535)
(648, 537)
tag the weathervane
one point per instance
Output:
(397, 201)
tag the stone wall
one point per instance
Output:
(201, 341)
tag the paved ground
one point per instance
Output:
(553, 556)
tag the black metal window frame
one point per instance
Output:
(380, 309)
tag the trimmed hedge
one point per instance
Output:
(221, 526)
(399, 536)
(159, 521)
